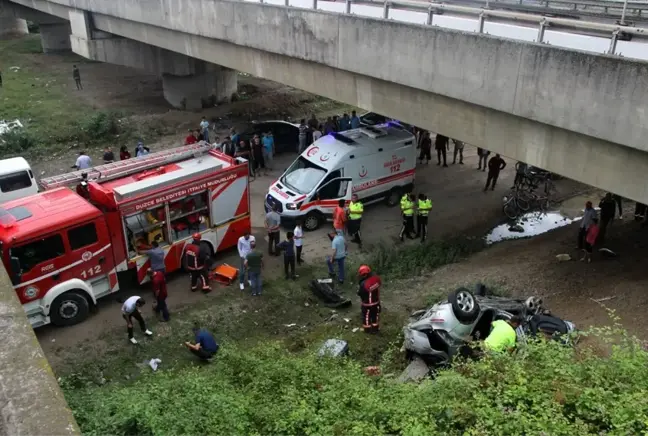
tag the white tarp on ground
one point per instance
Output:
(6, 126)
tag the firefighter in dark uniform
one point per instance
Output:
(369, 293)
(424, 207)
(355, 218)
(407, 209)
(197, 259)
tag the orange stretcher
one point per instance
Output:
(224, 274)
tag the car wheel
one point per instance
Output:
(393, 198)
(312, 221)
(534, 305)
(69, 308)
(464, 305)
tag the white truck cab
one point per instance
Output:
(16, 179)
(374, 162)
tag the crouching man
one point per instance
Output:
(205, 347)
(502, 336)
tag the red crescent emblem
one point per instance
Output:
(325, 157)
(312, 152)
(363, 172)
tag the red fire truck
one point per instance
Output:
(65, 248)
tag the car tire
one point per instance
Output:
(69, 308)
(393, 197)
(464, 305)
(312, 221)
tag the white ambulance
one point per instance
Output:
(375, 162)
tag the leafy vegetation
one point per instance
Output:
(543, 389)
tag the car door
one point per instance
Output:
(331, 192)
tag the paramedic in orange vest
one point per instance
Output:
(339, 216)
(196, 258)
(369, 293)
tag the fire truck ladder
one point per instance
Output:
(123, 168)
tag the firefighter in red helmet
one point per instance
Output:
(369, 293)
(197, 258)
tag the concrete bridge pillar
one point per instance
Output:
(55, 37)
(10, 26)
(208, 85)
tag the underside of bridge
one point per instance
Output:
(579, 115)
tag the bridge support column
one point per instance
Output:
(55, 37)
(210, 84)
(10, 26)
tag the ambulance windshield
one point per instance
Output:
(303, 176)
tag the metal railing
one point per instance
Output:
(615, 32)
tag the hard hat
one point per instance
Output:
(197, 236)
(364, 270)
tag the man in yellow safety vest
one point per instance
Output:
(424, 208)
(407, 209)
(355, 218)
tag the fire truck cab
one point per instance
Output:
(65, 248)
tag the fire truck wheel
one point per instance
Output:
(69, 309)
(313, 221)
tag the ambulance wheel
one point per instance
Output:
(312, 221)
(69, 308)
(393, 198)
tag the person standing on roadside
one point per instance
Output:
(345, 122)
(76, 75)
(298, 235)
(254, 266)
(424, 208)
(440, 144)
(369, 293)
(303, 132)
(317, 133)
(158, 281)
(244, 247)
(340, 216)
(108, 156)
(268, 151)
(590, 240)
(407, 212)
(204, 127)
(355, 121)
(288, 248)
(141, 149)
(130, 310)
(482, 153)
(495, 165)
(191, 138)
(458, 149)
(425, 143)
(608, 208)
(197, 259)
(329, 126)
(272, 222)
(124, 153)
(228, 147)
(520, 173)
(313, 123)
(337, 257)
(235, 137)
(619, 202)
(83, 162)
(356, 209)
(156, 256)
(588, 215)
(257, 154)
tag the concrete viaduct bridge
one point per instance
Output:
(562, 88)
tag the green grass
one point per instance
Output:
(41, 93)
(237, 318)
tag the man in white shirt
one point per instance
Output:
(298, 236)
(204, 127)
(83, 162)
(243, 249)
(130, 310)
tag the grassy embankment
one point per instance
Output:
(266, 379)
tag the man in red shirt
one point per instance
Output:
(369, 293)
(196, 258)
(160, 291)
(191, 138)
(339, 216)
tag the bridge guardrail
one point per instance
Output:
(615, 32)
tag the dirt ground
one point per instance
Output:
(460, 207)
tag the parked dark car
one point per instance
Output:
(286, 134)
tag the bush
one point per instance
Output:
(101, 126)
(544, 389)
(16, 141)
